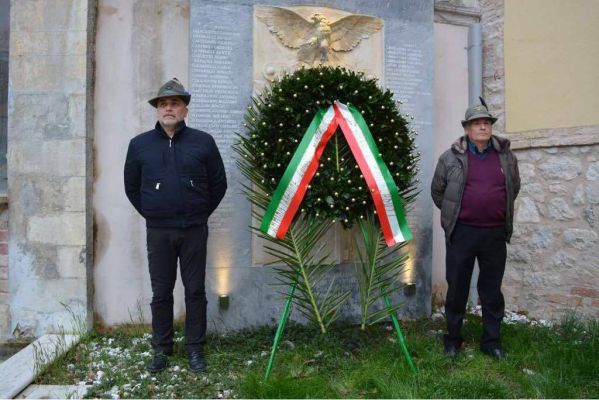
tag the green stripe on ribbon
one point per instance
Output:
(290, 170)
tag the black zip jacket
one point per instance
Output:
(174, 183)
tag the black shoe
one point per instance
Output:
(452, 352)
(158, 363)
(495, 353)
(197, 362)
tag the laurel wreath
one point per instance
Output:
(279, 116)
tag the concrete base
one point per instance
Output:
(18, 372)
(53, 392)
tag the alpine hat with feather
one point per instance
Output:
(478, 111)
(169, 89)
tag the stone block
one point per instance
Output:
(589, 215)
(561, 168)
(593, 171)
(579, 195)
(73, 191)
(535, 155)
(558, 189)
(3, 235)
(47, 116)
(41, 260)
(55, 73)
(527, 172)
(585, 292)
(4, 286)
(4, 260)
(19, 216)
(519, 254)
(41, 158)
(3, 272)
(534, 190)
(60, 229)
(559, 210)
(71, 262)
(3, 249)
(592, 192)
(54, 392)
(20, 370)
(563, 261)
(4, 297)
(563, 299)
(46, 307)
(73, 43)
(49, 15)
(41, 195)
(521, 233)
(541, 239)
(4, 216)
(527, 211)
(4, 317)
(580, 238)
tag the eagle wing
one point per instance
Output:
(290, 27)
(349, 31)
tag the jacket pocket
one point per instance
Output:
(196, 194)
(455, 172)
(154, 199)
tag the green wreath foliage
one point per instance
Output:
(278, 118)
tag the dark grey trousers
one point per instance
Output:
(488, 246)
(166, 246)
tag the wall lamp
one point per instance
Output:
(223, 301)
(409, 289)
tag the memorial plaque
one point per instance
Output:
(222, 81)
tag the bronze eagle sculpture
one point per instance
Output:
(317, 40)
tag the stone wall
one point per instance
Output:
(553, 261)
(4, 291)
(48, 153)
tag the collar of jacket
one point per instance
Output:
(180, 127)
(500, 144)
(474, 150)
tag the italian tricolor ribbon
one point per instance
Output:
(291, 189)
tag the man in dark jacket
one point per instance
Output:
(175, 178)
(475, 184)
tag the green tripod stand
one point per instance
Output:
(285, 317)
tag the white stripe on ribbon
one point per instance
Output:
(375, 170)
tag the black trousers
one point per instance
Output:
(166, 247)
(488, 246)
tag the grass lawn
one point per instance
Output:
(542, 362)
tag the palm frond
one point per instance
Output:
(377, 272)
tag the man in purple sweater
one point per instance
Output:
(475, 184)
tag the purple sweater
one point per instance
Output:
(483, 201)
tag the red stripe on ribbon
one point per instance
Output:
(308, 175)
(370, 181)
